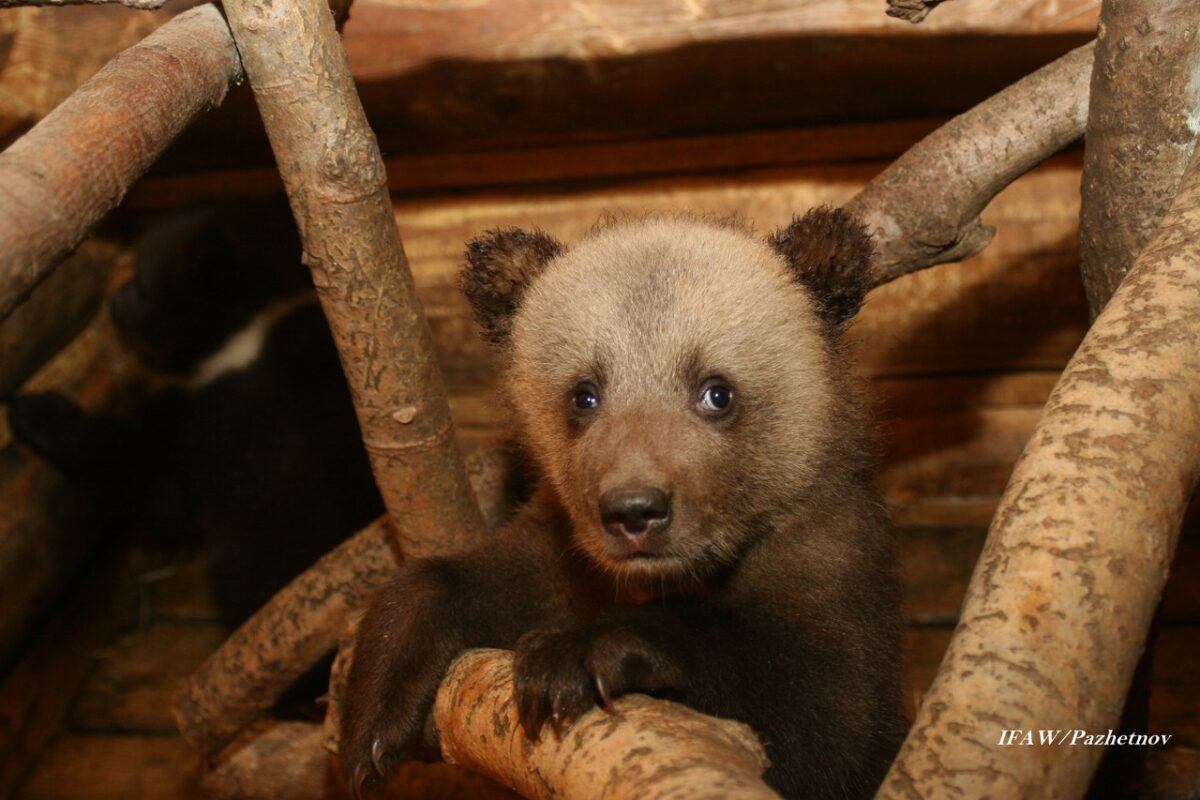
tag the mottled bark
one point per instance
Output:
(141, 5)
(1145, 94)
(59, 179)
(1141, 130)
(924, 208)
(1079, 550)
(912, 10)
(58, 309)
(305, 621)
(282, 760)
(336, 183)
(648, 749)
(288, 635)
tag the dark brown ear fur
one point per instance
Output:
(828, 250)
(500, 265)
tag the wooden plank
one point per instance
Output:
(113, 768)
(580, 163)
(936, 564)
(964, 454)
(134, 679)
(1018, 305)
(37, 693)
(468, 74)
(178, 592)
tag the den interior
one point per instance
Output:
(180, 442)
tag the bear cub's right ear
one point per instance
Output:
(500, 266)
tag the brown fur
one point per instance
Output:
(771, 595)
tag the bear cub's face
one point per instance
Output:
(673, 377)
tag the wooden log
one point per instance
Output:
(1078, 553)
(1141, 133)
(63, 176)
(602, 755)
(335, 180)
(281, 760)
(58, 309)
(293, 631)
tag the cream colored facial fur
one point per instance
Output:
(647, 310)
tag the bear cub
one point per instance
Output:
(705, 525)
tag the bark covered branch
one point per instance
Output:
(335, 180)
(912, 10)
(1141, 132)
(924, 208)
(1079, 550)
(141, 5)
(59, 179)
(648, 749)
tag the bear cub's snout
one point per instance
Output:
(635, 515)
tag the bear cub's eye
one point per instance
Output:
(716, 398)
(585, 397)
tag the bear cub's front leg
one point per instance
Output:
(416, 625)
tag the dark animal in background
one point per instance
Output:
(707, 526)
(253, 448)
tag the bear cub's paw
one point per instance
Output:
(560, 674)
(392, 728)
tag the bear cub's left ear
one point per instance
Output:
(500, 266)
(828, 251)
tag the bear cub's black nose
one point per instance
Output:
(635, 512)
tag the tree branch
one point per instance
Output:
(602, 755)
(1141, 132)
(141, 5)
(913, 11)
(335, 180)
(924, 208)
(1079, 550)
(59, 179)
